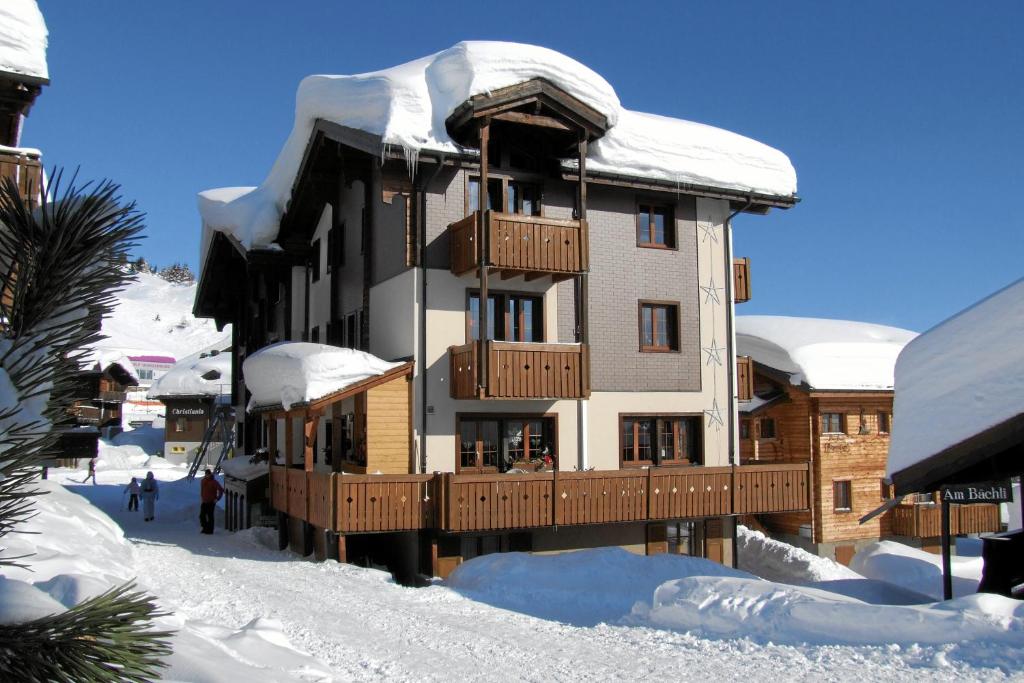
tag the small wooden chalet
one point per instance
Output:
(821, 392)
(98, 395)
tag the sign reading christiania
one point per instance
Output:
(987, 492)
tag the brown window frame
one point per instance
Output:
(501, 298)
(501, 419)
(653, 305)
(181, 425)
(745, 429)
(679, 458)
(842, 422)
(760, 429)
(884, 422)
(671, 242)
(848, 485)
(504, 181)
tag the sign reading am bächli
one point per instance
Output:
(987, 492)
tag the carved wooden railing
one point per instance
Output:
(26, 170)
(522, 370)
(526, 244)
(925, 521)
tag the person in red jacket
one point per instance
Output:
(210, 492)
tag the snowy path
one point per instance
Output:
(364, 627)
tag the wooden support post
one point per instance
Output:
(657, 538)
(289, 440)
(342, 550)
(272, 440)
(483, 254)
(584, 286)
(308, 437)
(947, 569)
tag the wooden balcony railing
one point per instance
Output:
(741, 279)
(522, 244)
(493, 502)
(113, 396)
(25, 170)
(925, 521)
(521, 370)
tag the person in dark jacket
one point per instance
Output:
(210, 492)
(92, 472)
(150, 494)
(133, 489)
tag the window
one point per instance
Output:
(336, 247)
(349, 452)
(145, 374)
(659, 440)
(503, 194)
(181, 425)
(500, 443)
(883, 422)
(832, 423)
(314, 334)
(328, 441)
(520, 317)
(744, 429)
(659, 327)
(842, 497)
(655, 226)
(314, 261)
(767, 428)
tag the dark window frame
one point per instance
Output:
(672, 326)
(827, 422)
(838, 495)
(884, 422)
(501, 298)
(501, 419)
(772, 432)
(679, 459)
(503, 182)
(651, 208)
(314, 261)
(745, 428)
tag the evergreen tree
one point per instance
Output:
(60, 268)
(179, 273)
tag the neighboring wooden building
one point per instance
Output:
(98, 395)
(595, 405)
(822, 393)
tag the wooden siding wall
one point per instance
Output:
(388, 427)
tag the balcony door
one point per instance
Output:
(510, 317)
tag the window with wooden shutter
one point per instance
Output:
(741, 279)
(744, 378)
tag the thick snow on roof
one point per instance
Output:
(202, 374)
(959, 378)
(100, 360)
(407, 106)
(22, 39)
(826, 354)
(298, 372)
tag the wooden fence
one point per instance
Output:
(492, 502)
(925, 521)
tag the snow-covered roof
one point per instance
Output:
(959, 378)
(101, 360)
(242, 467)
(408, 105)
(299, 372)
(203, 374)
(23, 39)
(828, 355)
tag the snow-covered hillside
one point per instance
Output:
(154, 316)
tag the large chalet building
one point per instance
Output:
(553, 275)
(822, 393)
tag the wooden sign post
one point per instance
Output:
(966, 494)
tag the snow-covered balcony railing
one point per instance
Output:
(521, 244)
(25, 168)
(521, 370)
(454, 503)
(925, 520)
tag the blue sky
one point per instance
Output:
(904, 120)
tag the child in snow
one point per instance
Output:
(132, 490)
(92, 472)
(150, 494)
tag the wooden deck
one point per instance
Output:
(925, 521)
(522, 370)
(521, 244)
(453, 503)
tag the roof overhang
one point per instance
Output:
(222, 282)
(318, 405)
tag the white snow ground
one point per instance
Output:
(249, 612)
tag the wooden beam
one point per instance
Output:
(535, 275)
(508, 274)
(289, 440)
(532, 120)
(272, 440)
(309, 436)
(483, 246)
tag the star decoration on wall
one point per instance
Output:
(711, 292)
(709, 231)
(714, 353)
(715, 416)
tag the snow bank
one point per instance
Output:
(23, 38)
(762, 610)
(407, 106)
(297, 372)
(959, 378)
(202, 374)
(826, 354)
(916, 569)
(778, 561)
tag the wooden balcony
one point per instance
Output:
(521, 370)
(26, 170)
(453, 503)
(925, 521)
(529, 245)
(741, 279)
(113, 396)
